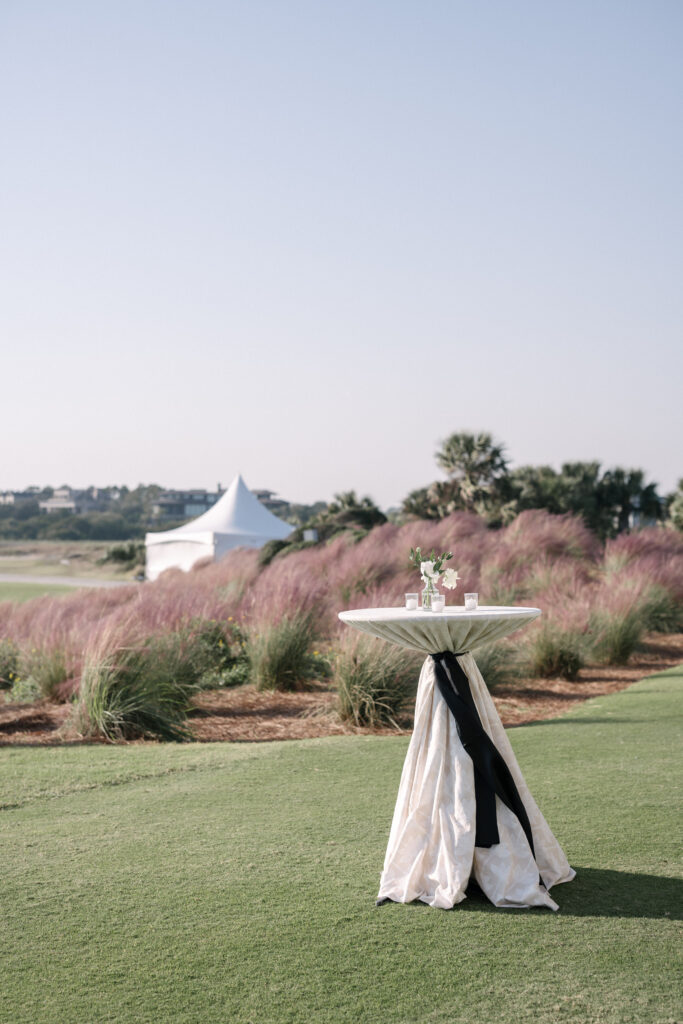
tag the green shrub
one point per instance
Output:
(9, 664)
(133, 693)
(31, 674)
(129, 555)
(375, 681)
(280, 655)
(217, 652)
(46, 668)
(269, 550)
(238, 674)
(24, 691)
(616, 635)
(281, 548)
(555, 652)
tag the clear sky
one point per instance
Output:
(308, 240)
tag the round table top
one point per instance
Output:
(453, 629)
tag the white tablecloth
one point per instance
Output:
(431, 853)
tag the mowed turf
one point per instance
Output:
(27, 591)
(236, 883)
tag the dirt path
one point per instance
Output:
(245, 715)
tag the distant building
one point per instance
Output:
(19, 497)
(184, 504)
(62, 500)
(66, 499)
(268, 499)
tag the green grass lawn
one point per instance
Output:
(26, 591)
(80, 558)
(236, 883)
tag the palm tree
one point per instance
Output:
(629, 498)
(348, 510)
(536, 487)
(475, 463)
(419, 505)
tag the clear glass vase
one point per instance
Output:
(427, 594)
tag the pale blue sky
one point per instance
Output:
(307, 240)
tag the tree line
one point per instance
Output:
(480, 480)
(126, 520)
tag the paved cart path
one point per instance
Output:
(62, 581)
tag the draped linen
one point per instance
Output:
(431, 854)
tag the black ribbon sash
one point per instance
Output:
(491, 774)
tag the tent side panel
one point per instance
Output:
(175, 554)
(225, 542)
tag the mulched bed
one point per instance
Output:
(537, 699)
(245, 715)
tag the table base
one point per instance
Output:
(431, 854)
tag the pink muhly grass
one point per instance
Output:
(536, 533)
(47, 619)
(567, 611)
(462, 529)
(558, 582)
(655, 554)
(171, 602)
(657, 541)
(549, 561)
(64, 624)
(269, 602)
(237, 570)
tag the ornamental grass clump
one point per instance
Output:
(616, 635)
(133, 693)
(620, 617)
(554, 651)
(375, 681)
(499, 663)
(280, 653)
(661, 612)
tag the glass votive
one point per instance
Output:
(411, 602)
(471, 602)
(438, 603)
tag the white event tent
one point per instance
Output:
(237, 520)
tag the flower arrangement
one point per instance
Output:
(431, 568)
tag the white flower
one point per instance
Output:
(427, 570)
(450, 578)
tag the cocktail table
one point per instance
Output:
(463, 807)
